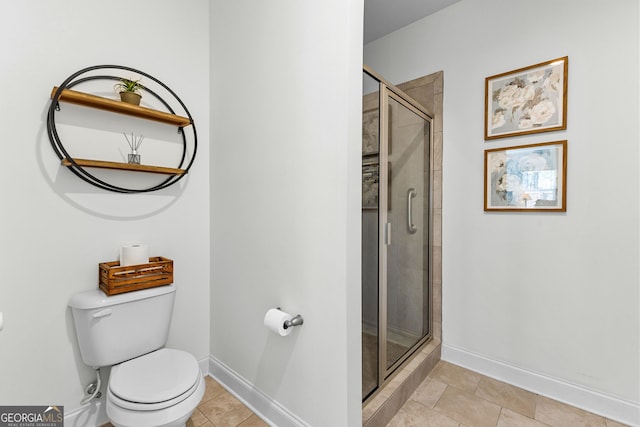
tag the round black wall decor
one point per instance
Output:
(81, 168)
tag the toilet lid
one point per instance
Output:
(155, 377)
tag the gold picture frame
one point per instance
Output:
(529, 177)
(528, 100)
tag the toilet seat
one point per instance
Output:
(157, 380)
(172, 416)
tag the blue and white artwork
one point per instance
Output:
(527, 177)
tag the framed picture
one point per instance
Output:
(370, 130)
(370, 182)
(526, 178)
(528, 100)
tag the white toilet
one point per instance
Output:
(149, 386)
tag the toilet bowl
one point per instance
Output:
(149, 385)
(159, 389)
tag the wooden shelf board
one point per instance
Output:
(115, 106)
(124, 166)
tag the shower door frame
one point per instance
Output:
(386, 91)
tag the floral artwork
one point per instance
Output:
(528, 100)
(528, 177)
(370, 183)
(370, 124)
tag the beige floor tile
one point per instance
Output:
(428, 392)
(225, 410)
(558, 414)
(467, 408)
(509, 418)
(413, 414)
(474, 400)
(508, 396)
(213, 389)
(206, 423)
(253, 421)
(197, 419)
(456, 376)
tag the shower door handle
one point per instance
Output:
(410, 195)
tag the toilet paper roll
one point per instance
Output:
(274, 321)
(134, 254)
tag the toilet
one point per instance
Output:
(149, 385)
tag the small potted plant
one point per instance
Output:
(129, 90)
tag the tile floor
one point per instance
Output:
(452, 396)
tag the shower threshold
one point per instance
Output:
(382, 405)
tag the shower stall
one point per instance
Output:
(396, 230)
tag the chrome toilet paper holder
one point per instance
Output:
(295, 321)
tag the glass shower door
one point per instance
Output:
(396, 183)
(404, 260)
(370, 219)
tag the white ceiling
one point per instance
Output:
(382, 17)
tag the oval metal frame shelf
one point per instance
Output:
(77, 166)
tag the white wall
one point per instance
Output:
(285, 120)
(55, 228)
(542, 298)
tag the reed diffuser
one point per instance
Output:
(134, 144)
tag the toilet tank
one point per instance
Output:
(113, 329)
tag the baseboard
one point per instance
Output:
(262, 405)
(204, 365)
(598, 403)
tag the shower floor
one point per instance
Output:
(370, 360)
